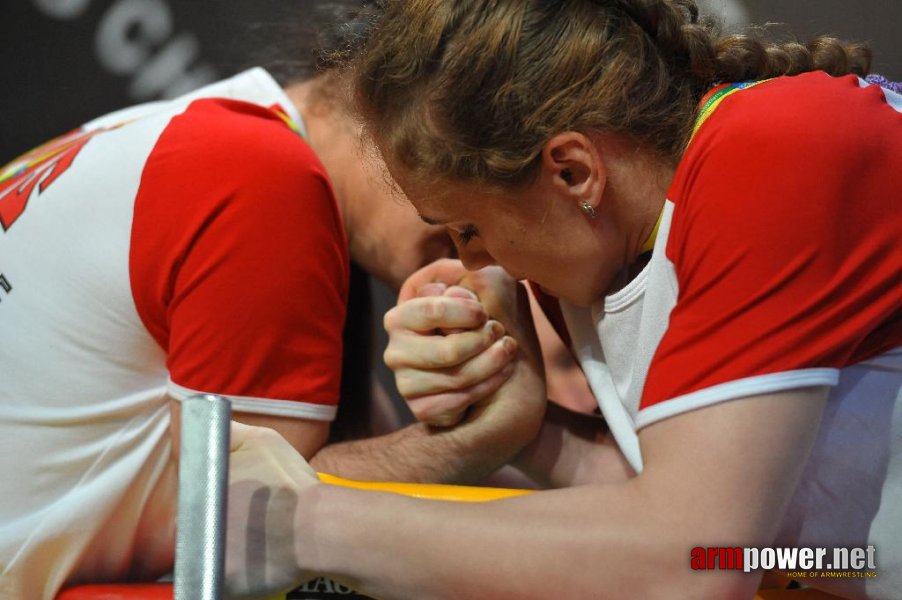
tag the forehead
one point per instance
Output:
(441, 204)
(433, 199)
(440, 200)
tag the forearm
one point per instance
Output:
(718, 476)
(520, 548)
(418, 453)
(572, 449)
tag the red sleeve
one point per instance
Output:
(239, 261)
(785, 238)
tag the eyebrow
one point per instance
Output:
(431, 221)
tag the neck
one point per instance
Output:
(637, 182)
(330, 136)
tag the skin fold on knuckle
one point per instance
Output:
(464, 378)
(390, 357)
(434, 355)
(433, 311)
(428, 409)
(484, 389)
(401, 351)
(455, 348)
(390, 319)
(450, 408)
(475, 371)
(456, 291)
(431, 289)
(442, 355)
(447, 418)
(419, 384)
(405, 384)
(446, 409)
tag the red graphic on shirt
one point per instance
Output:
(39, 168)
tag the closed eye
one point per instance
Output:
(466, 234)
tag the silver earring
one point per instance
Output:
(589, 210)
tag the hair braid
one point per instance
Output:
(678, 32)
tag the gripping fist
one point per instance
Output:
(445, 350)
(464, 351)
(267, 479)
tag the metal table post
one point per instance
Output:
(203, 486)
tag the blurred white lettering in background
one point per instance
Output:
(137, 39)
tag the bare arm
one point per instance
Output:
(572, 449)
(420, 452)
(305, 435)
(717, 476)
(417, 453)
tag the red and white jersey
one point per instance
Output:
(185, 246)
(778, 265)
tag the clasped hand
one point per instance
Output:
(463, 347)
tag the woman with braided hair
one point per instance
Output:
(713, 222)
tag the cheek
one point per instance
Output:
(534, 257)
(514, 256)
(522, 246)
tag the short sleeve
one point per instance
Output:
(785, 243)
(239, 261)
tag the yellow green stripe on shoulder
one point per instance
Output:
(715, 97)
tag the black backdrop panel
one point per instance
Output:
(66, 61)
(876, 22)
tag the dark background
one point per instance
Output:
(66, 61)
(874, 21)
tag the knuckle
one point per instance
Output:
(441, 356)
(422, 410)
(421, 414)
(489, 385)
(461, 379)
(391, 357)
(448, 354)
(434, 311)
(445, 419)
(404, 384)
(389, 321)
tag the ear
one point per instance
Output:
(573, 164)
